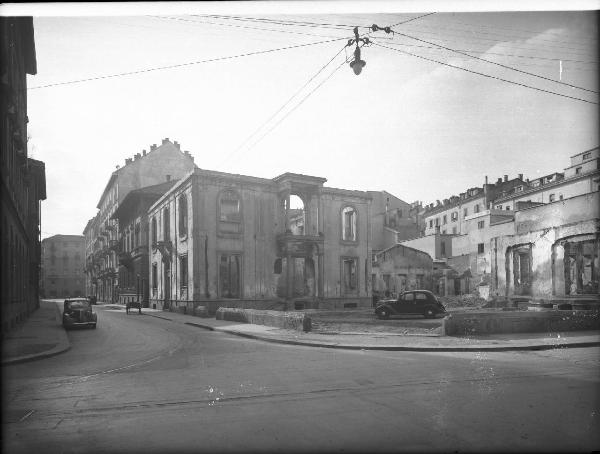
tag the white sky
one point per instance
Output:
(418, 129)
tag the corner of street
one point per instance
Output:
(42, 336)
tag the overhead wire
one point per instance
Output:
(242, 26)
(180, 65)
(283, 106)
(486, 75)
(497, 42)
(530, 57)
(297, 105)
(495, 63)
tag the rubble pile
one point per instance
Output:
(468, 300)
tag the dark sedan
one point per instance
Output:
(414, 302)
(78, 312)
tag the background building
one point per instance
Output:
(162, 163)
(134, 242)
(23, 183)
(63, 259)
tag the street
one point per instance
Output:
(142, 383)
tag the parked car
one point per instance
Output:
(413, 302)
(78, 312)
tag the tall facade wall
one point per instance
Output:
(554, 251)
(236, 248)
(22, 183)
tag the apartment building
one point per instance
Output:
(63, 260)
(23, 179)
(162, 163)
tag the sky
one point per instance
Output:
(421, 121)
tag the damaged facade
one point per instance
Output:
(401, 268)
(221, 239)
(518, 237)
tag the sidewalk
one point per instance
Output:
(42, 336)
(390, 341)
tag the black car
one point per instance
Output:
(78, 312)
(413, 302)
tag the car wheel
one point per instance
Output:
(429, 313)
(384, 314)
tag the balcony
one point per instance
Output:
(125, 259)
(299, 245)
(114, 245)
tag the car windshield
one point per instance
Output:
(77, 304)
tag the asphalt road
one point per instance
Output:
(144, 384)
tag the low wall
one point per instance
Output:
(279, 319)
(477, 323)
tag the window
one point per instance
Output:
(349, 224)
(445, 219)
(454, 216)
(443, 248)
(465, 212)
(409, 297)
(481, 224)
(476, 208)
(578, 170)
(551, 198)
(183, 215)
(560, 197)
(137, 234)
(581, 263)
(499, 207)
(507, 207)
(154, 276)
(230, 217)
(166, 225)
(437, 222)
(431, 223)
(421, 296)
(519, 188)
(586, 156)
(480, 248)
(229, 276)
(154, 232)
(183, 271)
(350, 275)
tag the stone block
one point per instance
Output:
(287, 320)
(201, 311)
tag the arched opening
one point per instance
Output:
(297, 215)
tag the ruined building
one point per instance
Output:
(220, 239)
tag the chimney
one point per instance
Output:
(505, 178)
(486, 180)
(499, 181)
(177, 145)
(165, 140)
(520, 176)
(128, 161)
(137, 156)
(168, 177)
(153, 147)
(144, 152)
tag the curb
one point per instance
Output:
(42, 355)
(473, 348)
(415, 348)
